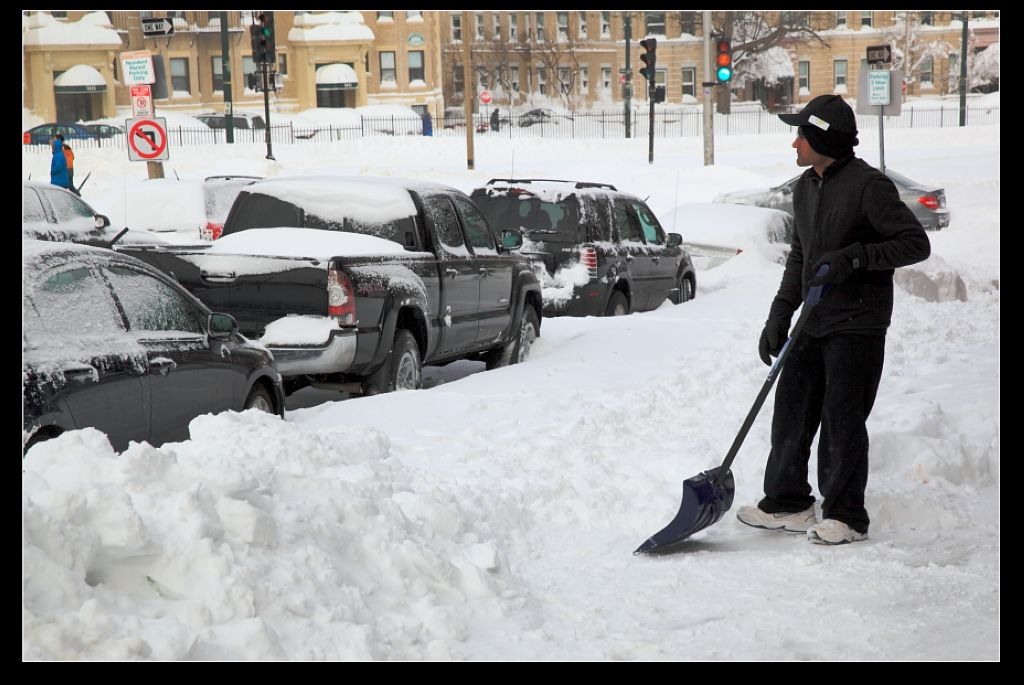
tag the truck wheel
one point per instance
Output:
(259, 398)
(518, 349)
(401, 370)
(684, 293)
(618, 305)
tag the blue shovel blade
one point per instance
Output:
(704, 503)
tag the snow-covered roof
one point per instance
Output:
(329, 26)
(42, 29)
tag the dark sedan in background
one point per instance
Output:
(928, 203)
(113, 344)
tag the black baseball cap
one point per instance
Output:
(829, 113)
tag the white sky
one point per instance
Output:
(494, 516)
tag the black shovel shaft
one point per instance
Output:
(814, 295)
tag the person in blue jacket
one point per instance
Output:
(59, 164)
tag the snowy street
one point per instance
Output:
(493, 516)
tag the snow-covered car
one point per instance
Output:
(713, 233)
(928, 203)
(113, 344)
(543, 115)
(49, 212)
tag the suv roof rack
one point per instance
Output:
(579, 184)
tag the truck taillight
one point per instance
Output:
(341, 298)
(930, 202)
(211, 231)
(588, 257)
(27, 138)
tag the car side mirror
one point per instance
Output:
(511, 239)
(101, 221)
(222, 326)
(675, 240)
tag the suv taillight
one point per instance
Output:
(211, 231)
(588, 257)
(929, 202)
(341, 299)
(27, 138)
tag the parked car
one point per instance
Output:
(219, 193)
(542, 116)
(104, 130)
(928, 203)
(113, 344)
(355, 282)
(41, 135)
(49, 212)
(238, 120)
(597, 251)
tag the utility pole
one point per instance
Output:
(963, 69)
(467, 82)
(709, 119)
(225, 70)
(627, 87)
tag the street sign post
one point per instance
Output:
(157, 27)
(147, 139)
(137, 68)
(878, 92)
(485, 97)
(142, 101)
(879, 54)
(878, 87)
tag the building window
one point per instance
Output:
(690, 81)
(385, 16)
(416, 71)
(248, 67)
(514, 78)
(218, 74)
(542, 81)
(582, 26)
(606, 24)
(865, 19)
(387, 67)
(540, 27)
(513, 27)
(606, 78)
(179, 75)
(689, 22)
(584, 80)
(563, 26)
(458, 85)
(926, 71)
(564, 79)
(456, 28)
(927, 18)
(282, 64)
(479, 20)
(655, 23)
(414, 15)
(840, 20)
(57, 14)
(660, 77)
(839, 71)
(805, 78)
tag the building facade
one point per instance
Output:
(578, 58)
(71, 66)
(323, 59)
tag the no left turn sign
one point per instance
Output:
(147, 139)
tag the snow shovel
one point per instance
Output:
(706, 497)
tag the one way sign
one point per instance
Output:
(157, 27)
(879, 54)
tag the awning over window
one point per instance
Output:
(80, 78)
(336, 77)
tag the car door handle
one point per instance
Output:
(656, 259)
(629, 258)
(162, 365)
(81, 374)
(484, 273)
(451, 273)
(218, 278)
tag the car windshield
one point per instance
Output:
(538, 219)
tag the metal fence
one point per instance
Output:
(579, 125)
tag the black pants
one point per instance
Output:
(71, 182)
(831, 382)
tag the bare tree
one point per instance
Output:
(493, 60)
(754, 33)
(911, 46)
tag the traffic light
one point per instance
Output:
(262, 34)
(650, 46)
(723, 60)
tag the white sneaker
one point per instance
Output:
(794, 522)
(833, 532)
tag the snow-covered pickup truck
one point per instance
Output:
(354, 283)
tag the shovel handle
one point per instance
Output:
(814, 296)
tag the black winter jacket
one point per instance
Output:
(853, 203)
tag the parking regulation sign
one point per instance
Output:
(142, 101)
(147, 139)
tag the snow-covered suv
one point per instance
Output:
(597, 251)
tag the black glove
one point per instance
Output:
(773, 337)
(841, 265)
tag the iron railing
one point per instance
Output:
(579, 125)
